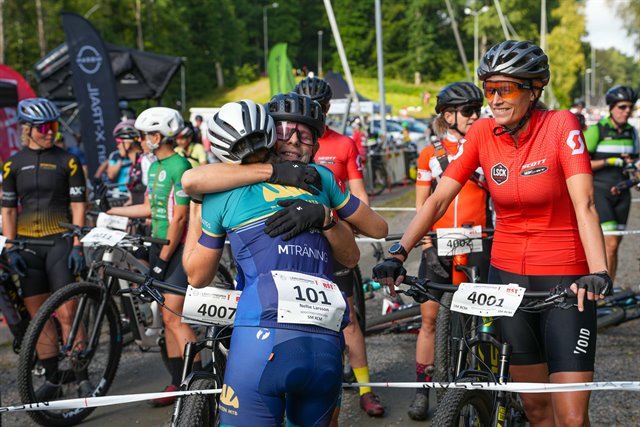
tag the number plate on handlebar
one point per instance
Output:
(458, 241)
(3, 240)
(487, 300)
(209, 305)
(103, 236)
(112, 221)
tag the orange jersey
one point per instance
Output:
(536, 229)
(470, 205)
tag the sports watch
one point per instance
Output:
(398, 249)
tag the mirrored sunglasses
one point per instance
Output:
(506, 89)
(44, 128)
(285, 130)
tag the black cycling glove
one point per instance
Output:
(598, 283)
(159, 270)
(390, 267)
(296, 174)
(296, 217)
(76, 261)
(434, 263)
(17, 263)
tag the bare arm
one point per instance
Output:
(368, 222)
(114, 169)
(9, 222)
(343, 243)
(200, 263)
(356, 186)
(101, 169)
(596, 165)
(134, 211)
(422, 193)
(78, 216)
(217, 177)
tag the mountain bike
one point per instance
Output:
(196, 409)
(90, 349)
(622, 306)
(480, 407)
(377, 177)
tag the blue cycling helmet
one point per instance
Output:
(36, 111)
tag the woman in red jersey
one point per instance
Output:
(547, 229)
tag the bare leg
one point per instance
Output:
(571, 409)
(612, 243)
(537, 405)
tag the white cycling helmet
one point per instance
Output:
(239, 129)
(167, 121)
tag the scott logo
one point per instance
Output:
(88, 59)
(575, 142)
(499, 174)
(534, 171)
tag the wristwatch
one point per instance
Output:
(397, 249)
(332, 222)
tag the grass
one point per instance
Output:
(398, 94)
(406, 200)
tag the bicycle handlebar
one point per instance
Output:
(29, 242)
(155, 240)
(142, 279)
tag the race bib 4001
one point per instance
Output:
(308, 300)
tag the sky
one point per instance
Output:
(605, 28)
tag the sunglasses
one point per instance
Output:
(506, 89)
(44, 128)
(469, 110)
(285, 130)
(624, 107)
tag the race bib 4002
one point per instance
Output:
(308, 300)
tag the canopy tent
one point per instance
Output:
(13, 88)
(341, 98)
(138, 74)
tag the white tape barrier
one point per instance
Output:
(91, 402)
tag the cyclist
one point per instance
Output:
(341, 155)
(458, 107)
(547, 231)
(613, 145)
(128, 138)
(119, 160)
(297, 363)
(168, 206)
(189, 149)
(42, 186)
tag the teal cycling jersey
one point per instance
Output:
(240, 214)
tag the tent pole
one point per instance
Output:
(183, 85)
(383, 106)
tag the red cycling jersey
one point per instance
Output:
(470, 205)
(340, 154)
(536, 228)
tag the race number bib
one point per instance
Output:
(458, 241)
(209, 305)
(487, 300)
(103, 236)
(114, 222)
(3, 241)
(308, 300)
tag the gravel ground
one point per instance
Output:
(391, 358)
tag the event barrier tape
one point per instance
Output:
(91, 402)
(606, 233)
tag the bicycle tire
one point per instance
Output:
(380, 323)
(200, 410)
(474, 406)
(223, 275)
(379, 180)
(358, 298)
(612, 316)
(101, 364)
(449, 328)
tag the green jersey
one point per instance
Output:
(165, 191)
(604, 141)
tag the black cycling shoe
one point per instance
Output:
(48, 391)
(419, 408)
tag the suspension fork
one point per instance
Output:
(503, 376)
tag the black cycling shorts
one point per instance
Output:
(612, 210)
(565, 339)
(47, 267)
(344, 277)
(175, 274)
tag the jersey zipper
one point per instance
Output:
(38, 187)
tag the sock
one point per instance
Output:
(50, 366)
(423, 375)
(362, 376)
(175, 370)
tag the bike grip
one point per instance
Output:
(67, 225)
(129, 276)
(155, 240)
(29, 242)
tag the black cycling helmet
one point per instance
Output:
(458, 93)
(187, 131)
(291, 107)
(315, 88)
(36, 111)
(518, 59)
(620, 93)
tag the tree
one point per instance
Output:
(629, 11)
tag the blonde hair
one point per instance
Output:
(440, 125)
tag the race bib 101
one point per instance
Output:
(458, 241)
(487, 300)
(210, 305)
(308, 300)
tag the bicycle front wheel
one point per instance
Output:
(450, 328)
(200, 410)
(86, 366)
(358, 298)
(464, 408)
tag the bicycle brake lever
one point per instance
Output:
(147, 288)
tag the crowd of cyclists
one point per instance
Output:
(287, 193)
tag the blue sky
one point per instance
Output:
(605, 28)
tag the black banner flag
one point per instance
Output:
(93, 86)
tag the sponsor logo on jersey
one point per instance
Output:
(273, 192)
(326, 160)
(359, 162)
(263, 334)
(575, 142)
(162, 176)
(7, 169)
(499, 173)
(48, 166)
(228, 398)
(532, 164)
(534, 171)
(73, 166)
(76, 191)
(305, 251)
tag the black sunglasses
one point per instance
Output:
(469, 110)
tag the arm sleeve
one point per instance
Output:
(424, 170)
(9, 189)
(213, 233)
(77, 182)
(572, 154)
(354, 161)
(592, 137)
(467, 160)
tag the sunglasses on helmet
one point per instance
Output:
(44, 128)
(469, 110)
(285, 130)
(506, 89)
